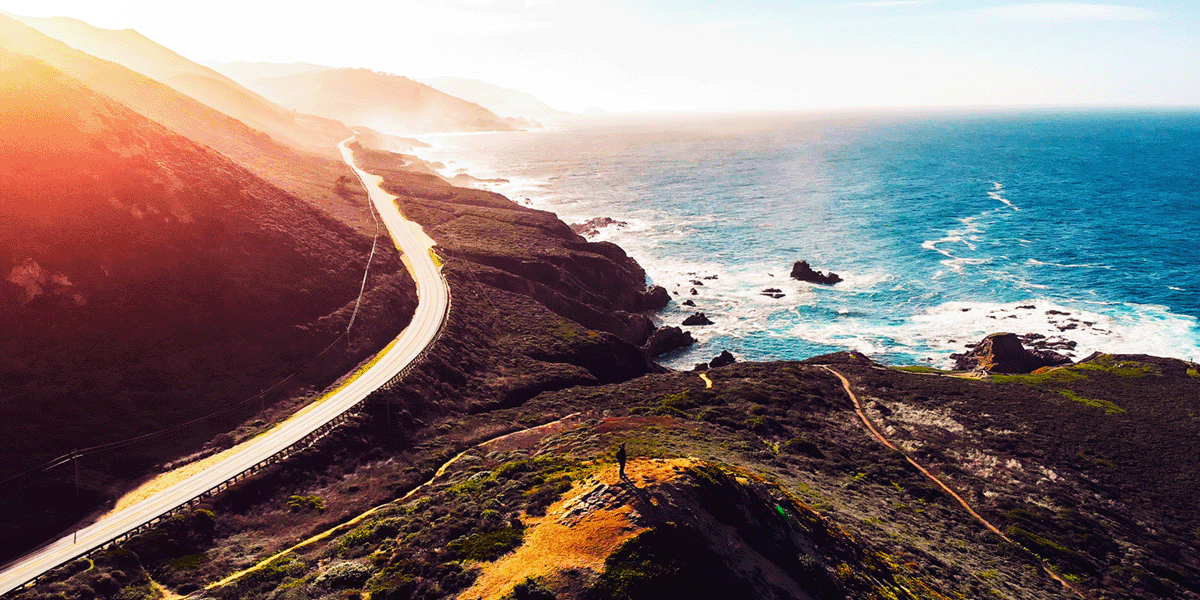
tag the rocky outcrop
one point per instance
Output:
(773, 293)
(1055, 351)
(666, 339)
(725, 358)
(697, 319)
(656, 298)
(592, 227)
(1003, 353)
(802, 271)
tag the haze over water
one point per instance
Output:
(1077, 226)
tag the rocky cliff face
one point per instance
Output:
(526, 251)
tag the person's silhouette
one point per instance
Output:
(621, 457)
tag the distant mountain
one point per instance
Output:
(244, 71)
(389, 103)
(146, 280)
(138, 53)
(503, 101)
(310, 177)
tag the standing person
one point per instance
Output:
(621, 456)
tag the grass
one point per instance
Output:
(1105, 405)
(922, 369)
(1128, 369)
(1063, 375)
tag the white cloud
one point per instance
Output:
(1070, 11)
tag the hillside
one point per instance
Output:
(389, 103)
(140, 54)
(490, 473)
(244, 71)
(309, 177)
(149, 281)
(503, 101)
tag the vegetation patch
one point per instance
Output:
(1104, 405)
(1063, 375)
(486, 547)
(669, 561)
(1109, 363)
(922, 369)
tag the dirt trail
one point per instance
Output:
(362, 517)
(941, 484)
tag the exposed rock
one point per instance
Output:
(694, 292)
(666, 339)
(773, 292)
(802, 271)
(725, 358)
(700, 367)
(697, 282)
(688, 303)
(592, 227)
(697, 319)
(1055, 351)
(656, 298)
(1003, 353)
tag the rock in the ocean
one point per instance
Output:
(1003, 353)
(700, 367)
(591, 227)
(773, 292)
(697, 319)
(688, 303)
(803, 272)
(656, 298)
(666, 339)
(725, 358)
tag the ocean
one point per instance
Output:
(1078, 226)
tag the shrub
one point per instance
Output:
(488, 546)
(530, 589)
(298, 503)
(801, 446)
(344, 575)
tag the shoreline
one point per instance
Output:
(843, 318)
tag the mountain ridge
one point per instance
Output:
(386, 102)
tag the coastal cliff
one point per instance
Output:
(491, 471)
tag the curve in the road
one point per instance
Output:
(432, 308)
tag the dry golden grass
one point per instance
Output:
(578, 532)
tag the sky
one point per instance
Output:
(709, 55)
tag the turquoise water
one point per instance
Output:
(945, 227)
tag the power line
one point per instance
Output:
(367, 270)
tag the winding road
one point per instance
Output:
(432, 308)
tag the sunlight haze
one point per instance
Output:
(711, 56)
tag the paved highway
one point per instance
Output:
(432, 308)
